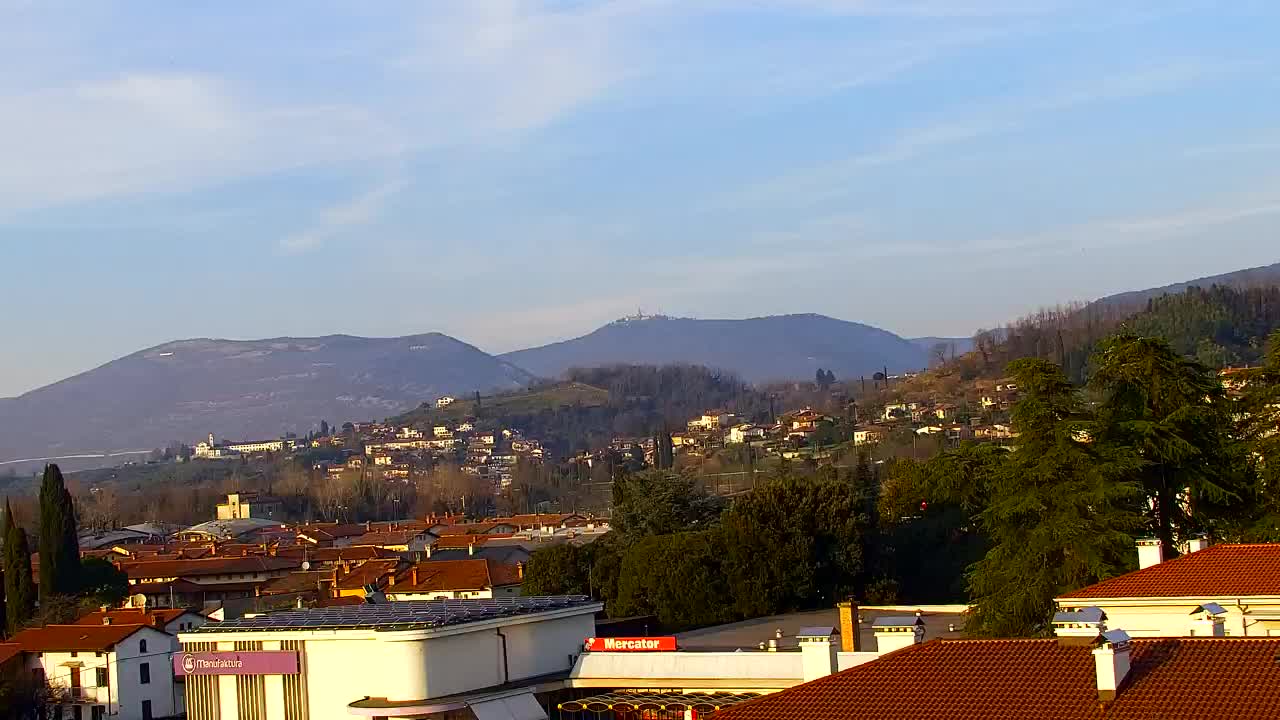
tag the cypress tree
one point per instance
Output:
(59, 541)
(19, 592)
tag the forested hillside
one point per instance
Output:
(1219, 325)
(595, 405)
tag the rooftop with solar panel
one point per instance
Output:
(406, 615)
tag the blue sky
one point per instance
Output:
(513, 172)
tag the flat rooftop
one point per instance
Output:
(748, 634)
(406, 615)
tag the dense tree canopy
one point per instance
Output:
(59, 540)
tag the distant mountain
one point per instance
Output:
(780, 347)
(1263, 276)
(242, 390)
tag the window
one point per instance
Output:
(97, 712)
(102, 677)
(77, 712)
(142, 646)
(74, 653)
(144, 673)
(146, 710)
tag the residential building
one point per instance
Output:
(491, 659)
(240, 529)
(195, 583)
(1162, 599)
(1107, 677)
(123, 672)
(242, 505)
(456, 579)
(710, 420)
(744, 433)
(169, 620)
(441, 431)
(414, 539)
(445, 401)
(869, 434)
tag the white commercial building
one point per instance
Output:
(490, 659)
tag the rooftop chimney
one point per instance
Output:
(520, 570)
(817, 654)
(1209, 620)
(1196, 544)
(106, 619)
(849, 637)
(1111, 660)
(413, 576)
(896, 633)
(471, 549)
(1150, 552)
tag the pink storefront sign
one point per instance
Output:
(236, 663)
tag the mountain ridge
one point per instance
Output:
(182, 389)
(798, 344)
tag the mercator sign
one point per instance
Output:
(632, 644)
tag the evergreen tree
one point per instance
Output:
(1173, 414)
(19, 590)
(1058, 511)
(1259, 417)
(59, 541)
(324, 428)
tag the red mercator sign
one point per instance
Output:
(236, 663)
(632, 644)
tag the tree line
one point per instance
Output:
(1149, 445)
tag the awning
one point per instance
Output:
(701, 702)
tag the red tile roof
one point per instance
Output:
(1170, 679)
(451, 575)
(372, 572)
(143, 569)
(56, 638)
(134, 616)
(462, 541)
(383, 538)
(1216, 571)
(8, 651)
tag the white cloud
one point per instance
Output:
(344, 216)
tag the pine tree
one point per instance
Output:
(59, 540)
(1174, 415)
(1058, 511)
(19, 590)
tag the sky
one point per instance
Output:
(514, 172)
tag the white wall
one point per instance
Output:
(690, 671)
(545, 647)
(125, 692)
(1173, 618)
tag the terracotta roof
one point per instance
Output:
(53, 638)
(382, 538)
(350, 554)
(209, 566)
(296, 582)
(451, 575)
(9, 651)
(331, 531)
(1170, 679)
(134, 616)
(539, 519)
(462, 541)
(1216, 571)
(368, 573)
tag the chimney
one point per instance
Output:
(1111, 659)
(367, 526)
(1079, 627)
(773, 645)
(1150, 552)
(520, 570)
(413, 576)
(1209, 620)
(896, 633)
(428, 552)
(106, 619)
(471, 549)
(817, 653)
(1196, 544)
(849, 637)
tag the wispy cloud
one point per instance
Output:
(823, 182)
(343, 217)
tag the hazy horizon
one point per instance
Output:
(518, 172)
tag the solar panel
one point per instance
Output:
(398, 615)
